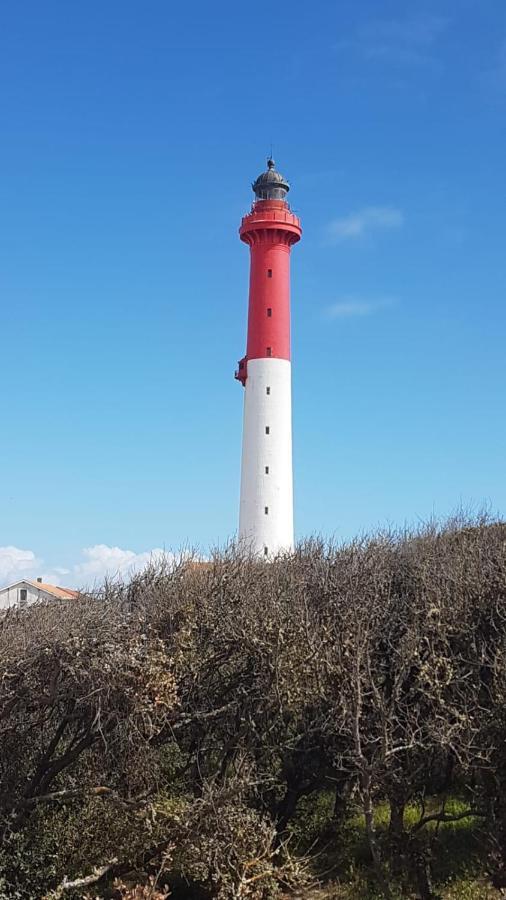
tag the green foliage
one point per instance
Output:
(340, 849)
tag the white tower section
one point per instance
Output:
(266, 505)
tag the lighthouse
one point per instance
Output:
(266, 504)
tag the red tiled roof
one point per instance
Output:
(60, 592)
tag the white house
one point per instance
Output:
(23, 593)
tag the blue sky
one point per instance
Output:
(130, 135)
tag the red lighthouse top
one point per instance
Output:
(270, 211)
(270, 229)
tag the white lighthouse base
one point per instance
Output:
(266, 507)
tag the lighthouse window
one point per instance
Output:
(267, 429)
(267, 390)
(267, 470)
(269, 351)
(269, 273)
(266, 510)
(269, 312)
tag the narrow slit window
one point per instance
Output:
(267, 390)
(267, 429)
(267, 470)
(269, 351)
(269, 273)
(266, 551)
(269, 312)
(266, 510)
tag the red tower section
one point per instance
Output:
(270, 229)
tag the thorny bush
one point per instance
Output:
(161, 734)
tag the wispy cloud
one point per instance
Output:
(495, 76)
(353, 307)
(356, 224)
(400, 41)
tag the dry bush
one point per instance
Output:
(195, 706)
(148, 891)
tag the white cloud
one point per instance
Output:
(98, 562)
(57, 575)
(400, 41)
(420, 30)
(351, 307)
(101, 561)
(356, 224)
(16, 563)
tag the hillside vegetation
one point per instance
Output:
(333, 722)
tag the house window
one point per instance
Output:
(269, 273)
(269, 351)
(269, 312)
(23, 595)
(267, 470)
(267, 429)
(266, 510)
(267, 390)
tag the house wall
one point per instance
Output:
(11, 596)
